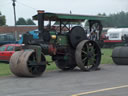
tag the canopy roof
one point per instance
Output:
(69, 17)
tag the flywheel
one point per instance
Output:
(76, 35)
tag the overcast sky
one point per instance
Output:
(28, 8)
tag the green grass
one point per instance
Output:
(106, 59)
(52, 65)
(4, 69)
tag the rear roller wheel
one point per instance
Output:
(88, 55)
(23, 64)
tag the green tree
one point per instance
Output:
(2, 19)
(21, 21)
(30, 22)
(116, 19)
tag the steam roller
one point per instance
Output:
(68, 46)
(120, 55)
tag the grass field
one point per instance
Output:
(106, 59)
(4, 69)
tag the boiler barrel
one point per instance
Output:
(120, 55)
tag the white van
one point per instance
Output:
(116, 33)
(115, 36)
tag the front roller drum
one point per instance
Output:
(24, 64)
(88, 55)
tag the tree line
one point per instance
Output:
(119, 19)
(20, 21)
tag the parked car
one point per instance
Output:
(7, 39)
(7, 50)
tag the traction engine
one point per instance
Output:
(68, 45)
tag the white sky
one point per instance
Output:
(28, 8)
